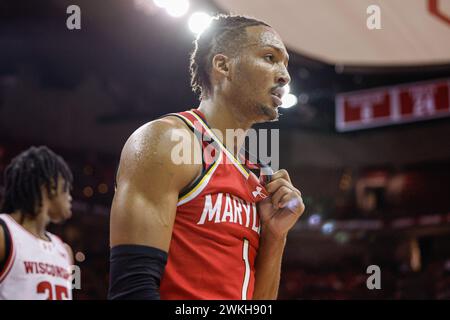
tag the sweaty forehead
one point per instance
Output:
(263, 36)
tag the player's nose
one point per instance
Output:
(283, 78)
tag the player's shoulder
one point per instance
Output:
(69, 252)
(56, 239)
(2, 242)
(161, 132)
(4, 234)
(167, 122)
(156, 146)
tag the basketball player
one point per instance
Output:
(35, 264)
(209, 230)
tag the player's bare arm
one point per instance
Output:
(148, 185)
(278, 214)
(2, 245)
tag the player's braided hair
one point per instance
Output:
(27, 172)
(225, 34)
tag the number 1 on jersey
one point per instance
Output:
(247, 269)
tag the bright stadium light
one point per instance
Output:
(289, 100)
(328, 228)
(160, 3)
(287, 89)
(177, 8)
(315, 219)
(199, 21)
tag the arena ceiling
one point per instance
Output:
(411, 33)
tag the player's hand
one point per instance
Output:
(280, 211)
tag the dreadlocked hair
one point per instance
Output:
(225, 34)
(27, 172)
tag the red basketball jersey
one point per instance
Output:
(216, 232)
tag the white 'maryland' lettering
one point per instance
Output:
(229, 208)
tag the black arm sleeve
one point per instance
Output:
(135, 272)
(7, 244)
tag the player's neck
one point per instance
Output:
(220, 117)
(35, 225)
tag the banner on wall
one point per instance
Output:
(392, 105)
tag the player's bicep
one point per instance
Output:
(148, 184)
(142, 217)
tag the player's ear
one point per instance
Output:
(221, 64)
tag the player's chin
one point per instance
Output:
(270, 113)
(67, 214)
(63, 216)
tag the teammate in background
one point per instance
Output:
(35, 264)
(207, 230)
